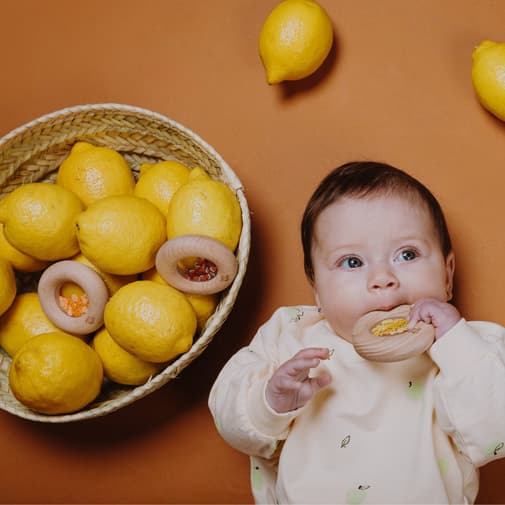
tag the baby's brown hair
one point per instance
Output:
(361, 179)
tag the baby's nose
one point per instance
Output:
(382, 277)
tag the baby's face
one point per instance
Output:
(375, 254)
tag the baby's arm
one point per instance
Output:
(238, 406)
(469, 389)
(290, 386)
(442, 315)
(237, 400)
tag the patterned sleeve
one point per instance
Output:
(237, 398)
(470, 389)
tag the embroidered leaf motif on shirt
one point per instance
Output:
(415, 390)
(356, 496)
(345, 441)
(256, 477)
(295, 314)
(494, 448)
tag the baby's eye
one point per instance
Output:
(407, 255)
(350, 262)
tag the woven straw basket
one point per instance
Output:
(34, 152)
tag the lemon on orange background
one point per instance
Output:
(93, 172)
(203, 305)
(488, 76)
(7, 286)
(159, 181)
(17, 259)
(55, 373)
(121, 234)
(154, 322)
(295, 39)
(204, 206)
(39, 220)
(119, 365)
(24, 320)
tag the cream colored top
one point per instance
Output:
(411, 432)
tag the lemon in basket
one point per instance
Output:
(121, 234)
(17, 259)
(203, 305)
(54, 373)
(93, 172)
(204, 206)
(120, 365)
(295, 39)
(488, 76)
(159, 181)
(154, 322)
(39, 220)
(113, 282)
(7, 286)
(23, 320)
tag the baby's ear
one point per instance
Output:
(450, 264)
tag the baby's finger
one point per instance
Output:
(312, 386)
(313, 352)
(300, 367)
(321, 381)
(286, 383)
(413, 317)
(420, 312)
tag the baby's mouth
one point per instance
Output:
(387, 308)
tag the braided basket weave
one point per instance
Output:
(34, 152)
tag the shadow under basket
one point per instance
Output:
(33, 153)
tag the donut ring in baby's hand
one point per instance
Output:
(205, 280)
(49, 290)
(383, 335)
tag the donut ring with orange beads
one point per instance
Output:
(49, 291)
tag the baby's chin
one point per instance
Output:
(343, 333)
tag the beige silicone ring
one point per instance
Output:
(187, 246)
(50, 283)
(391, 348)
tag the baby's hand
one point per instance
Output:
(442, 315)
(290, 386)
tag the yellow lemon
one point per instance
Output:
(121, 234)
(39, 220)
(113, 282)
(54, 373)
(158, 182)
(119, 365)
(152, 275)
(24, 320)
(93, 172)
(154, 322)
(488, 76)
(295, 40)
(207, 207)
(17, 259)
(198, 173)
(203, 305)
(7, 286)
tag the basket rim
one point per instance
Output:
(213, 324)
(120, 107)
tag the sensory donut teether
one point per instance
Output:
(49, 290)
(383, 335)
(216, 271)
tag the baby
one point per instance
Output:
(324, 425)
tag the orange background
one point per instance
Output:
(396, 87)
